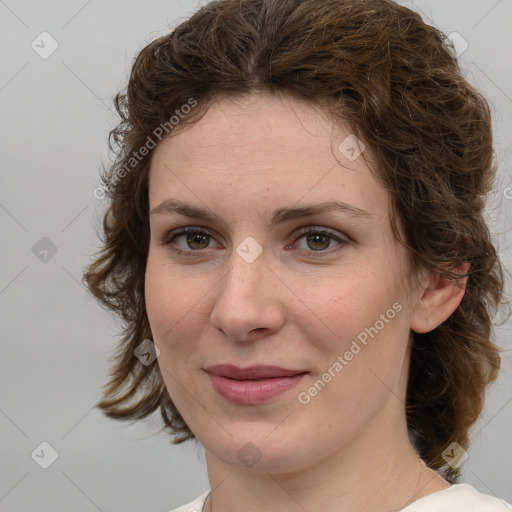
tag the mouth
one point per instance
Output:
(254, 384)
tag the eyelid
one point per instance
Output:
(341, 238)
(323, 230)
(175, 233)
(335, 235)
(170, 234)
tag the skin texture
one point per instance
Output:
(298, 305)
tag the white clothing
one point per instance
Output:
(456, 498)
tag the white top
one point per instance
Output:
(456, 498)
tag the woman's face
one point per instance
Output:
(282, 321)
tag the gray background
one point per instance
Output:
(55, 116)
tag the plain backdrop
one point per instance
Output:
(55, 115)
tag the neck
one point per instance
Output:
(379, 470)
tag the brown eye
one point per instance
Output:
(318, 241)
(197, 240)
(188, 241)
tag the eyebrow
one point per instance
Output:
(282, 215)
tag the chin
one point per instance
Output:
(261, 449)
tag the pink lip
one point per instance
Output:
(252, 385)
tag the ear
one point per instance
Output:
(439, 300)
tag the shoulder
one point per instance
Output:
(459, 498)
(193, 506)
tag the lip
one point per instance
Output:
(254, 384)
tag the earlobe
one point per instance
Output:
(440, 298)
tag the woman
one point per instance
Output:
(296, 244)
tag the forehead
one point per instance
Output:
(266, 146)
(240, 125)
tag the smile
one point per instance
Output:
(253, 385)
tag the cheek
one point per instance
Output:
(171, 302)
(353, 302)
(167, 300)
(167, 295)
(160, 297)
(178, 308)
(367, 321)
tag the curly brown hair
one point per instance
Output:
(393, 78)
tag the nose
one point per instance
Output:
(247, 303)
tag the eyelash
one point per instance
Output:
(171, 236)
